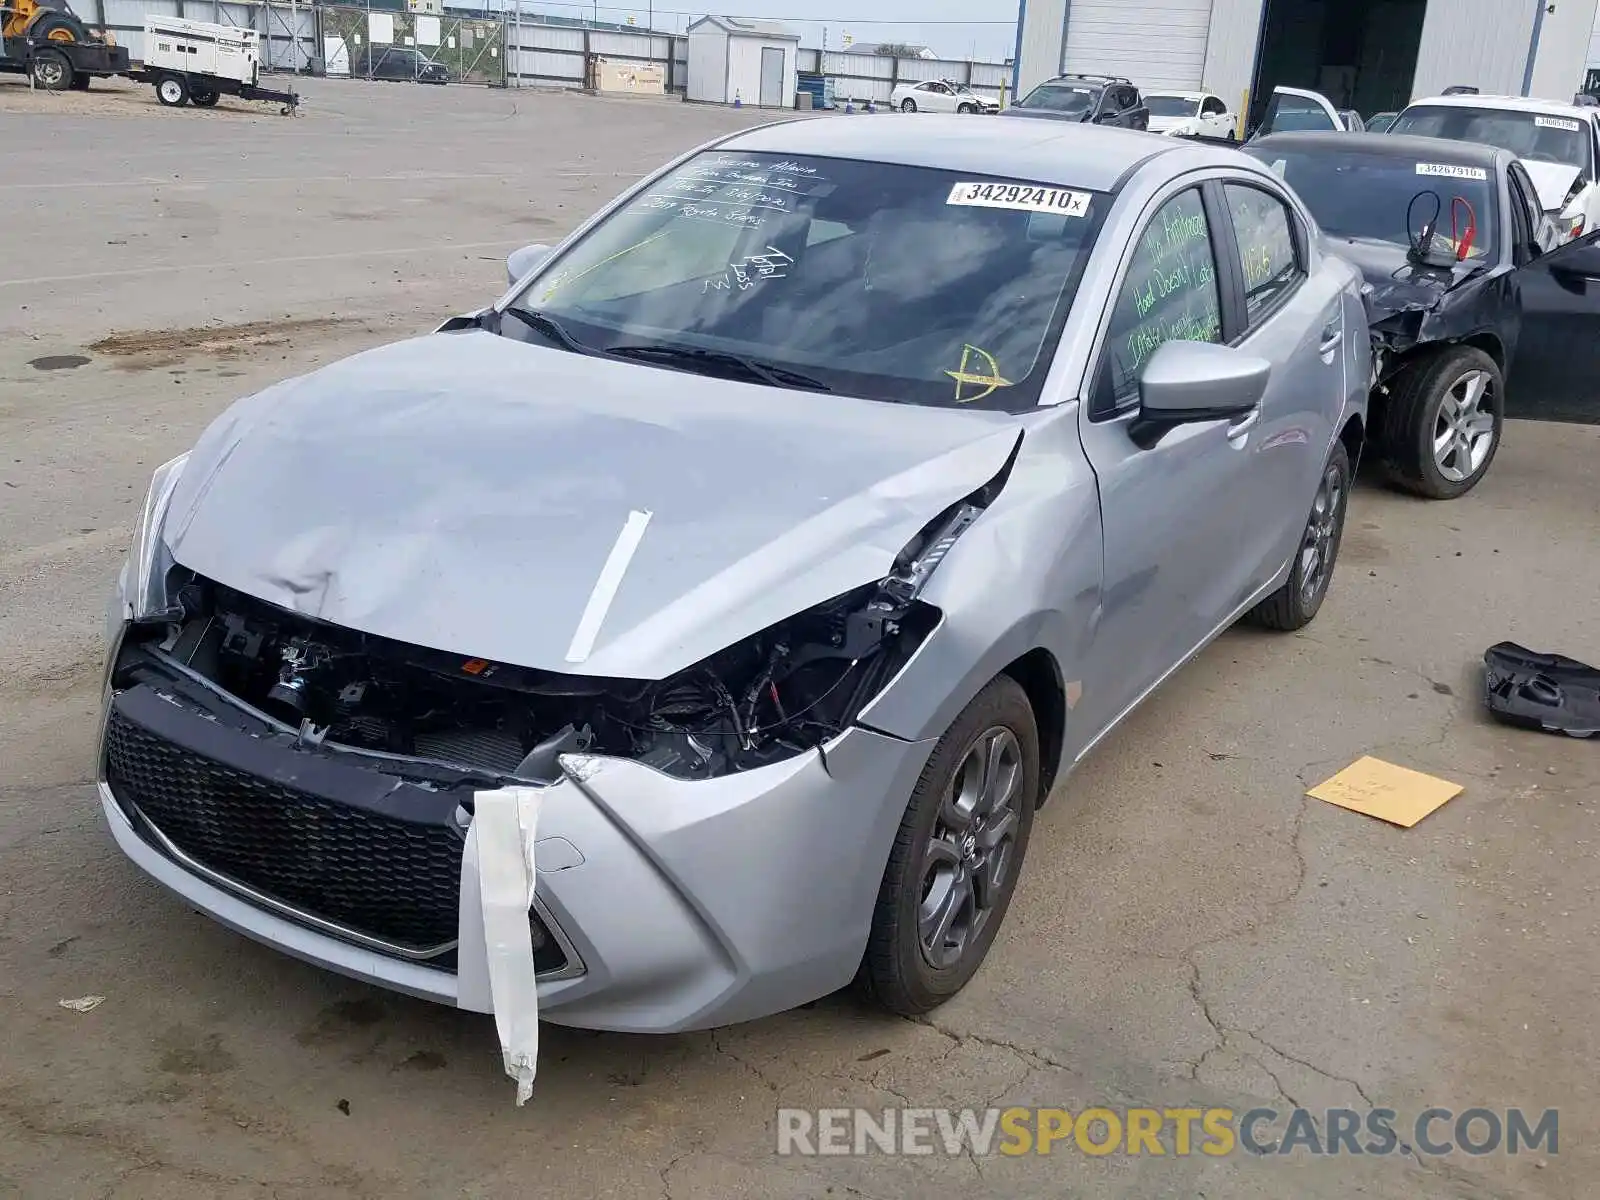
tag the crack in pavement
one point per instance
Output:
(719, 1048)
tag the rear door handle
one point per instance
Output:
(1244, 425)
(1332, 334)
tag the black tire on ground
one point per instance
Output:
(52, 71)
(897, 972)
(203, 96)
(1434, 399)
(908, 105)
(172, 90)
(1296, 604)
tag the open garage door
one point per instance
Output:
(1155, 43)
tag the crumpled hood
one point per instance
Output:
(464, 491)
(1396, 284)
(1552, 181)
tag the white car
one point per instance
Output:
(942, 96)
(1186, 114)
(1558, 143)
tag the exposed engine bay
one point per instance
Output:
(784, 691)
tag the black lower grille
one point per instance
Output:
(397, 881)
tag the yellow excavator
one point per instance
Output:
(47, 40)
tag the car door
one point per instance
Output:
(1172, 565)
(1555, 371)
(1295, 109)
(939, 98)
(1214, 117)
(1294, 316)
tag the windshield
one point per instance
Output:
(1354, 195)
(1055, 97)
(1534, 137)
(883, 281)
(1171, 106)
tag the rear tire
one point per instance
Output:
(1454, 400)
(51, 70)
(204, 96)
(172, 90)
(1296, 604)
(957, 857)
(80, 83)
(908, 105)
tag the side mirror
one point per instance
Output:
(520, 262)
(1188, 382)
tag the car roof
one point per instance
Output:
(1066, 152)
(1394, 145)
(1527, 104)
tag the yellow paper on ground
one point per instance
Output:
(1379, 789)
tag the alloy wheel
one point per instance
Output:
(1322, 530)
(1463, 432)
(967, 863)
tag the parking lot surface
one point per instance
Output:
(1191, 931)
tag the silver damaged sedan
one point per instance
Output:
(793, 529)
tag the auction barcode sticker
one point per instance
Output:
(1451, 171)
(1566, 123)
(1024, 197)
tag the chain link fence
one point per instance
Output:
(369, 44)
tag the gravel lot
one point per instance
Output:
(1190, 930)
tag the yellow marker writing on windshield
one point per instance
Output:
(964, 377)
(560, 281)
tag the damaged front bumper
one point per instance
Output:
(661, 905)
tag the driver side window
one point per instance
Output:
(1212, 107)
(1170, 293)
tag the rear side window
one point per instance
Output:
(1169, 294)
(1269, 252)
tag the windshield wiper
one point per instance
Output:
(685, 356)
(552, 329)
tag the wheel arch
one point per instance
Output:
(1039, 675)
(1354, 437)
(1490, 343)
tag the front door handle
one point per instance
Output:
(1244, 425)
(1330, 342)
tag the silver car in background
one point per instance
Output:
(792, 530)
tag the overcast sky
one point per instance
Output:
(955, 29)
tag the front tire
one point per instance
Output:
(957, 856)
(1296, 604)
(965, 109)
(172, 90)
(1443, 423)
(908, 105)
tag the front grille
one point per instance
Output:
(392, 880)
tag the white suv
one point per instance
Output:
(1558, 143)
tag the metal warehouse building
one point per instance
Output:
(1369, 55)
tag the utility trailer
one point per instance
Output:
(47, 40)
(199, 62)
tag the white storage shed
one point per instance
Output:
(752, 62)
